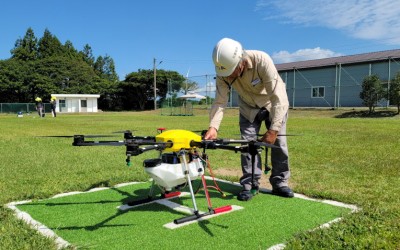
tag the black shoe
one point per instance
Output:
(283, 191)
(245, 195)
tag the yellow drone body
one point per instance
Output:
(180, 139)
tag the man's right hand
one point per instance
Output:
(211, 134)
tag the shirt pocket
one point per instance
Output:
(258, 88)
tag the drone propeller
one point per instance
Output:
(72, 136)
(225, 143)
(124, 131)
(277, 135)
(264, 144)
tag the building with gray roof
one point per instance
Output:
(337, 81)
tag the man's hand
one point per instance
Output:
(270, 137)
(211, 134)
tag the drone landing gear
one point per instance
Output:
(196, 214)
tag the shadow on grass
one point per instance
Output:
(367, 114)
(140, 196)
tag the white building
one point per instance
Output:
(76, 103)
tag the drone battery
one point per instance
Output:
(150, 163)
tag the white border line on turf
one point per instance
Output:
(63, 243)
(60, 242)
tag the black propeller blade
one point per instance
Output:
(278, 134)
(264, 144)
(123, 131)
(72, 136)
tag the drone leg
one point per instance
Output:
(186, 171)
(211, 210)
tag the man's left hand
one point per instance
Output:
(270, 137)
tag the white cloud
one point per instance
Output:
(363, 19)
(302, 55)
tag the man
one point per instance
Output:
(39, 106)
(262, 97)
(53, 103)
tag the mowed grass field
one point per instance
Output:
(352, 160)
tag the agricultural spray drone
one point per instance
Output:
(179, 163)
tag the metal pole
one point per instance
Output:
(155, 84)
(294, 87)
(339, 83)
(388, 86)
(336, 80)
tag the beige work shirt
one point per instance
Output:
(259, 86)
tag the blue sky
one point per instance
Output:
(182, 33)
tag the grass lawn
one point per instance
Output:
(352, 159)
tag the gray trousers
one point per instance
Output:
(279, 156)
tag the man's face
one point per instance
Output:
(237, 72)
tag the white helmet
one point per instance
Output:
(226, 56)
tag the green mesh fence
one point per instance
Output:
(25, 108)
(177, 107)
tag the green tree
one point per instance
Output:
(49, 45)
(372, 92)
(69, 50)
(12, 72)
(87, 55)
(26, 48)
(137, 90)
(394, 92)
(105, 68)
(41, 68)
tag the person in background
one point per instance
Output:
(53, 103)
(262, 98)
(39, 106)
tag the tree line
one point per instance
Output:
(39, 67)
(373, 92)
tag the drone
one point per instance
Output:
(179, 163)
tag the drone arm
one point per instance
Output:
(231, 147)
(220, 144)
(151, 147)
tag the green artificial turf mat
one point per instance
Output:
(93, 220)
